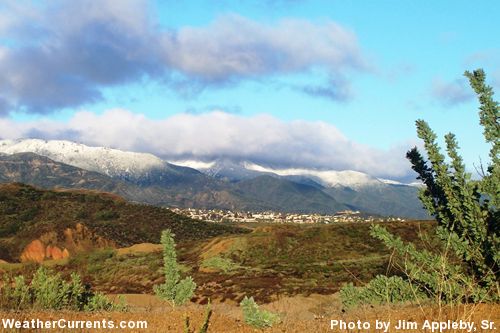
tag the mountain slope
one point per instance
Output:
(289, 196)
(179, 190)
(382, 200)
(28, 213)
(39, 170)
(355, 190)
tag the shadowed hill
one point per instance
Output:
(28, 213)
(289, 196)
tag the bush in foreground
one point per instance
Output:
(256, 317)
(174, 289)
(466, 265)
(48, 291)
(381, 290)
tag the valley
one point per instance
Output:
(113, 246)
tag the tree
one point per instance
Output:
(466, 210)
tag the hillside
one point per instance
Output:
(289, 196)
(28, 213)
(384, 199)
(170, 186)
(31, 168)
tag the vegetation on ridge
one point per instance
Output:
(27, 213)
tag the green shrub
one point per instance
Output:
(100, 255)
(174, 290)
(96, 260)
(48, 291)
(380, 290)
(10, 228)
(81, 214)
(99, 302)
(466, 265)
(219, 263)
(256, 317)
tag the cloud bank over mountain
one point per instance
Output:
(262, 139)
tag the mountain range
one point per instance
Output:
(223, 184)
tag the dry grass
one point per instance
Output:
(139, 249)
(299, 314)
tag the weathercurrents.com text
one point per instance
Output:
(38, 324)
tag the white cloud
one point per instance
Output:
(261, 139)
(64, 53)
(234, 46)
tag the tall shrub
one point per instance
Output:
(466, 210)
(174, 289)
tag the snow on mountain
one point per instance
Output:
(122, 164)
(111, 162)
(390, 182)
(222, 168)
(394, 182)
(327, 178)
(198, 165)
(234, 171)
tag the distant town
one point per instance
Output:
(217, 215)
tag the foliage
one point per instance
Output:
(206, 321)
(106, 215)
(173, 289)
(256, 317)
(466, 266)
(48, 291)
(219, 263)
(380, 290)
(439, 275)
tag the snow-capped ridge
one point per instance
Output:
(132, 165)
(325, 177)
(108, 161)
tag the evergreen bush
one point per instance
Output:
(256, 317)
(381, 290)
(48, 291)
(174, 289)
(465, 268)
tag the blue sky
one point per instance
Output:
(347, 78)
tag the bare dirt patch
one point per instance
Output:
(299, 315)
(140, 248)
